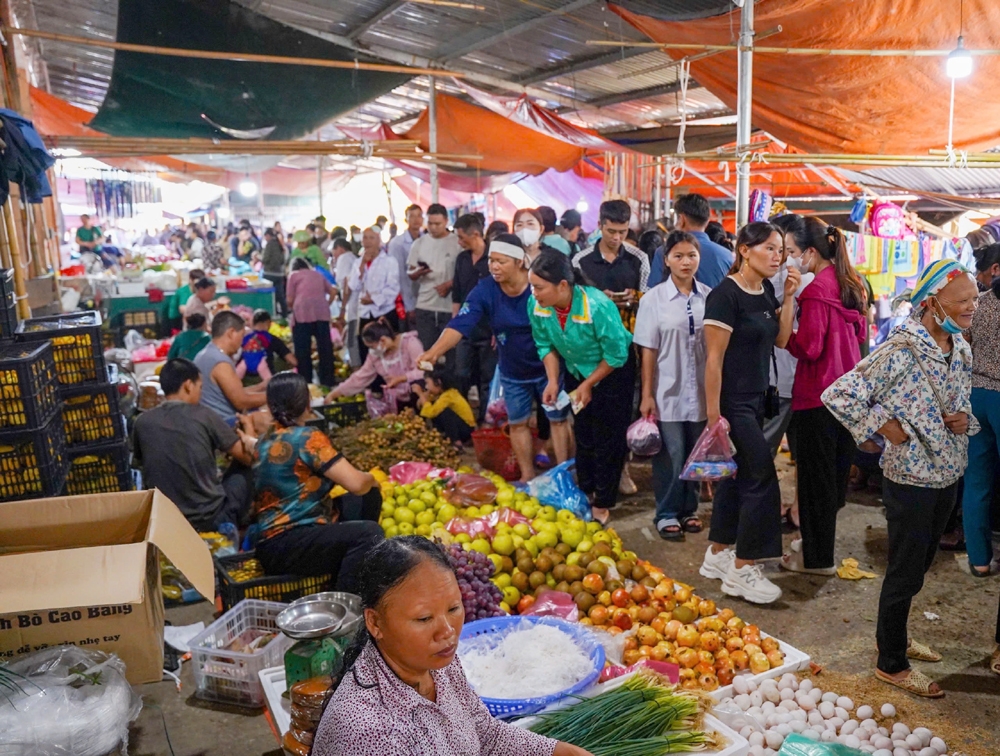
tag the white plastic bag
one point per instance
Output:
(64, 701)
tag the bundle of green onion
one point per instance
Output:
(641, 717)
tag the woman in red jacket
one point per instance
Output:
(827, 345)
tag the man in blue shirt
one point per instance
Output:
(502, 298)
(693, 215)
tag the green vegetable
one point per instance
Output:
(641, 717)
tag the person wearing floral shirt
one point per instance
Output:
(295, 467)
(915, 390)
(403, 691)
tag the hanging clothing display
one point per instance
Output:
(887, 262)
(115, 193)
(24, 159)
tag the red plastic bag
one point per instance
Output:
(671, 671)
(510, 516)
(554, 604)
(712, 456)
(474, 527)
(467, 490)
(643, 437)
(411, 472)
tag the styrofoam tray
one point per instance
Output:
(795, 661)
(273, 680)
(737, 744)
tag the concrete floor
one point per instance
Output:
(831, 619)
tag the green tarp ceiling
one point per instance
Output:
(167, 96)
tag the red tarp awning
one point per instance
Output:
(853, 104)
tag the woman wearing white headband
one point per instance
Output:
(503, 299)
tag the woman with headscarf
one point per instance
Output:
(915, 391)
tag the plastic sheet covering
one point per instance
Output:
(65, 701)
(852, 104)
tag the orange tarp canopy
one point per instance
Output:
(506, 146)
(852, 104)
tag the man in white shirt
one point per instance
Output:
(375, 277)
(345, 308)
(432, 263)
(399, 250)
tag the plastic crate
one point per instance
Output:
(343, 414)
(76, 344)
(266, 588)
(28, 386)
(91, 414)
(98, 468)
(33, 462)
(231, 676)
(146, 322)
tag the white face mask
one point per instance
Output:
(528, 236)
(356, 237)
(378, 351)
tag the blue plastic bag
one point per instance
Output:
(799, 745)
(558, 488)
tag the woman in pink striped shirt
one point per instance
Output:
(309, 295)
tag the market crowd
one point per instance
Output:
(763, 336)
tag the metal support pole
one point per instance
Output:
(319, 182)
(744, 108)
(657, 202)
(432, 137)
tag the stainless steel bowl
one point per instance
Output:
(350, 601)
(312, 619)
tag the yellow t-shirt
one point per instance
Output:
(453, 400)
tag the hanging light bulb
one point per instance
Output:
(248, 188)
(959, 63)
(582, 206)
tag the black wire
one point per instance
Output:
(166, 732)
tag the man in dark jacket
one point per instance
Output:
(273, 259)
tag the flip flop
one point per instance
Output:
(920, 652)
(692, 524)
(995, 661)
(916, 683)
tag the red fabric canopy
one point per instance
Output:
(854, 104)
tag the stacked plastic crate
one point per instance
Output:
(93, 432)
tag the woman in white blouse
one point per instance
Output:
(669, 328)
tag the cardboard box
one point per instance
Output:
(84, 570)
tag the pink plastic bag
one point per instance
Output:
(671, 671)
(554, 604)
(379, 405)
(510, 516)
(411, 472)
(467, 490)
(474, 527)
(643, 437)
(712, 456)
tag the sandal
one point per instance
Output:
(920, 652)
(793, 561)
(601, 515)
(916, 683)
(692, 524)
(670, 529)
(995, 661)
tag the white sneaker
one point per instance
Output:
(716, 566)
(748, 582)
(626, 486)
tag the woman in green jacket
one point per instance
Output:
(582, 326)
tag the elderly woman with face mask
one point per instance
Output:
(915, 391)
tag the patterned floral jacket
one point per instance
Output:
(908, 378)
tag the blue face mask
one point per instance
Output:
(948, 324)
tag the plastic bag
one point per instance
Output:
(558, 488)
(411, 472)
(380, 404)
(467, 490)
(800, 745)
(669, 670)
(496, 408)
(474, 527)
(712, 456)
(509, 516)
(643, 437)
(554, 604)
(66, 702)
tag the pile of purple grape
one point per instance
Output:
(473, 570)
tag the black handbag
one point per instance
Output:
(772, 401)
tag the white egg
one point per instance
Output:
(899, 743)
(770, 721)
(740, 685)
(789, 680)
(828, 736)
(928, 751)
(901, 728)
(845, 703)
(863, 712)
(831, 697)
(867, 748)
(810, 733)
(888, 710)
(782, 717)
(827, 709)
(882, 752)
(807, 704)
(743, 701)
(755, 712)
(870, 724)
(756, 698)
(745, 731)
(806, 685)
(797, 725)
(751, 684)
(913, 741)
(852, 742)
(924, 734)
(883, 731)
(817, 694)
(786, 694)
(758, 750)
(769, 752)
(756, 739)
(774, 739)
(789, 706)
(767, 707)
(800, 715)
(841, 712)
(835, 722)
(938, 745)
(849, 726)
(882, 743)
(815, 719)
(784, 729)
(901, 752)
